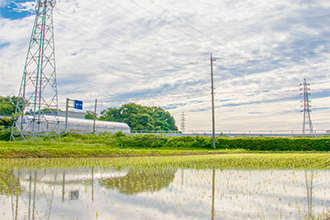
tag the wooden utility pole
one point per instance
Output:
(212, 92)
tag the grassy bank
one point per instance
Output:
(85, 150)
(120, 145)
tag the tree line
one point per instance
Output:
(138, 117)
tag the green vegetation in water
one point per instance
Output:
(84, 150)
(148, 184)
(237, 161)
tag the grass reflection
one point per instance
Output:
(287, 186)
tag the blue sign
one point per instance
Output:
(78, 104)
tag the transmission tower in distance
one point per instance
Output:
(307, 112)
(183, 122)
(38, 89)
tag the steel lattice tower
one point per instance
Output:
(307, 112)
(183, 122)
(38, 89)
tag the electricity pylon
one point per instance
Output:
(307, 112)
(183, 122)
(38, 89)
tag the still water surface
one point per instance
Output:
(162, 193)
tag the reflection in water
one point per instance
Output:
(137, 181)
(34, 192)
(309, 189)
(213, 186)
(165, 193)
(92, 183)
(9, 183)
(63, 186)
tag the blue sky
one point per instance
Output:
(157, 53)
(15, 9)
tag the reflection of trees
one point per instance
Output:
(137, 181)
(9, 183)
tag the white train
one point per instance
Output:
(48, 123)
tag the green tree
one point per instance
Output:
(112, 114)
(6, 122)
(89, 115)
(7, 105)
(140, 117)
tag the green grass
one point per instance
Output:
(237, 161)
(121, 145)
(84, 150)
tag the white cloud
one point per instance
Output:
(120, 52)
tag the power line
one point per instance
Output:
(229, 58)
(210, 29)
(203, 94)
(147, 28)
(121, 41)
(194, 28)
(288, 55)
(166, 21)
(79, 5)
(99, 42)
(250, 56)
(107, 45)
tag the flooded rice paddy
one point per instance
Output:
(153, 191)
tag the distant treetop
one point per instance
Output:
(140, 117)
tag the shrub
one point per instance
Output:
(200, 142)
(5, 133)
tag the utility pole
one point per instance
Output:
(66, 114)
(38, 89)
(212, 92)
(77, 104)
(307, 112)
(94, 115)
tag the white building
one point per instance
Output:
(47, 123)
